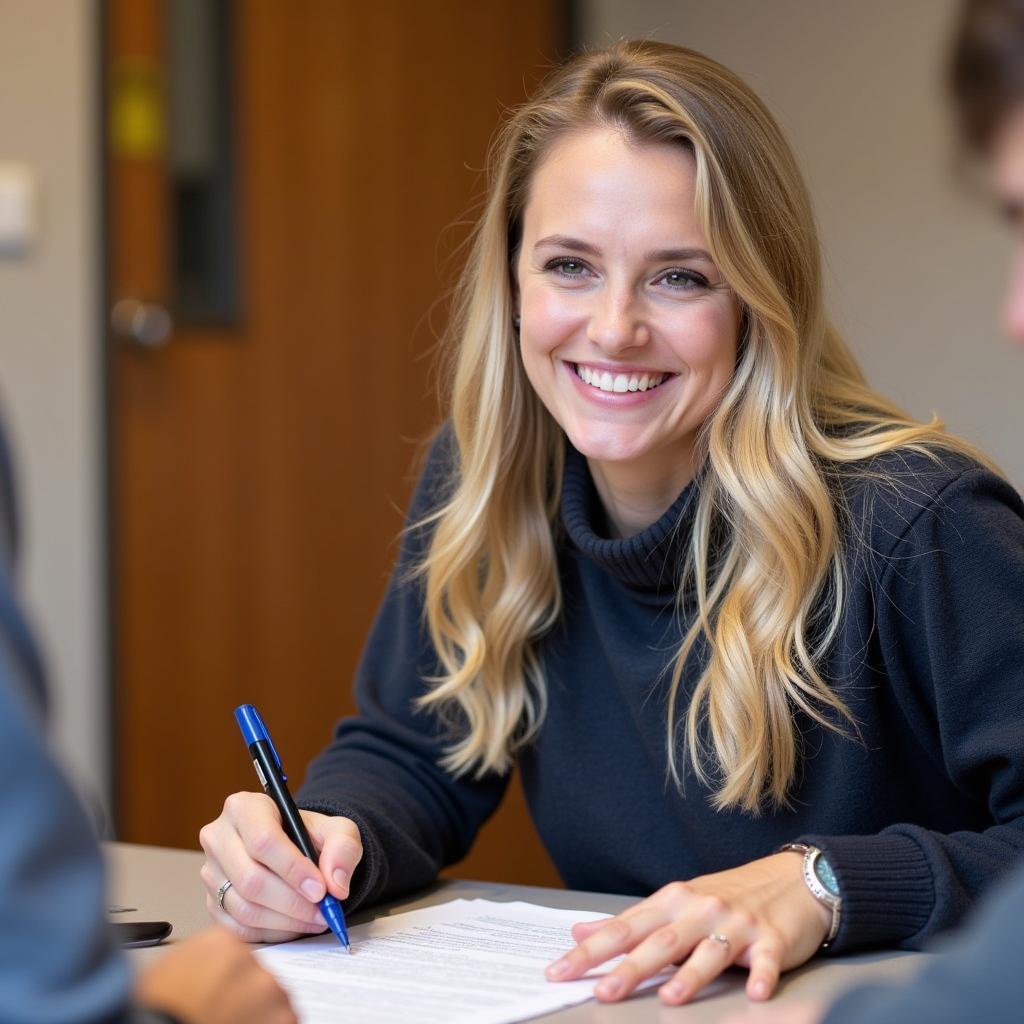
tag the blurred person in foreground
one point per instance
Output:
(58, 963)
(981, 978)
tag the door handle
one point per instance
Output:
(146, 324)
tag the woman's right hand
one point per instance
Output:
(213, 978)
(274, 889)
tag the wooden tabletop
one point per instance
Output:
(164, 884)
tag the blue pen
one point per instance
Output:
(268, 767)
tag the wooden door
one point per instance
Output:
(260, 459)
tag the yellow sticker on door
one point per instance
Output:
(137, 113)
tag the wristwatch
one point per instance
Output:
(821, 880)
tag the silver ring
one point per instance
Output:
(222, 892)
(722, 941)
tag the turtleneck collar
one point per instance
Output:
(650, 560)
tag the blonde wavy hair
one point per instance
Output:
(765, 558)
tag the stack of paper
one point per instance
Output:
(464, 961)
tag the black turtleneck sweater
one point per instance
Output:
(917, 814)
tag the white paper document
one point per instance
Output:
(464, 961)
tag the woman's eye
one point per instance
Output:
(684, 280)
(566, 266)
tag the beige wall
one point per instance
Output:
(916, 266)
(50, 356)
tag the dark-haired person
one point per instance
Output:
(58, 964)
(983, 978)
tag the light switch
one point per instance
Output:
(17, 209)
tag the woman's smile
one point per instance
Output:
(618, 380)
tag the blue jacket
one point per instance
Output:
(980, 980)
(57, 962)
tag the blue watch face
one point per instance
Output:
(825, 875)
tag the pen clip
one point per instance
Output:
(255, 730)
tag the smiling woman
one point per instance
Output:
(749, 631)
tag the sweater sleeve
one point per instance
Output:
(950, 620)
(382, 768)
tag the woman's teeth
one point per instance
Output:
(621, 382)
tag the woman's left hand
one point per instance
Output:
(761, 916)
